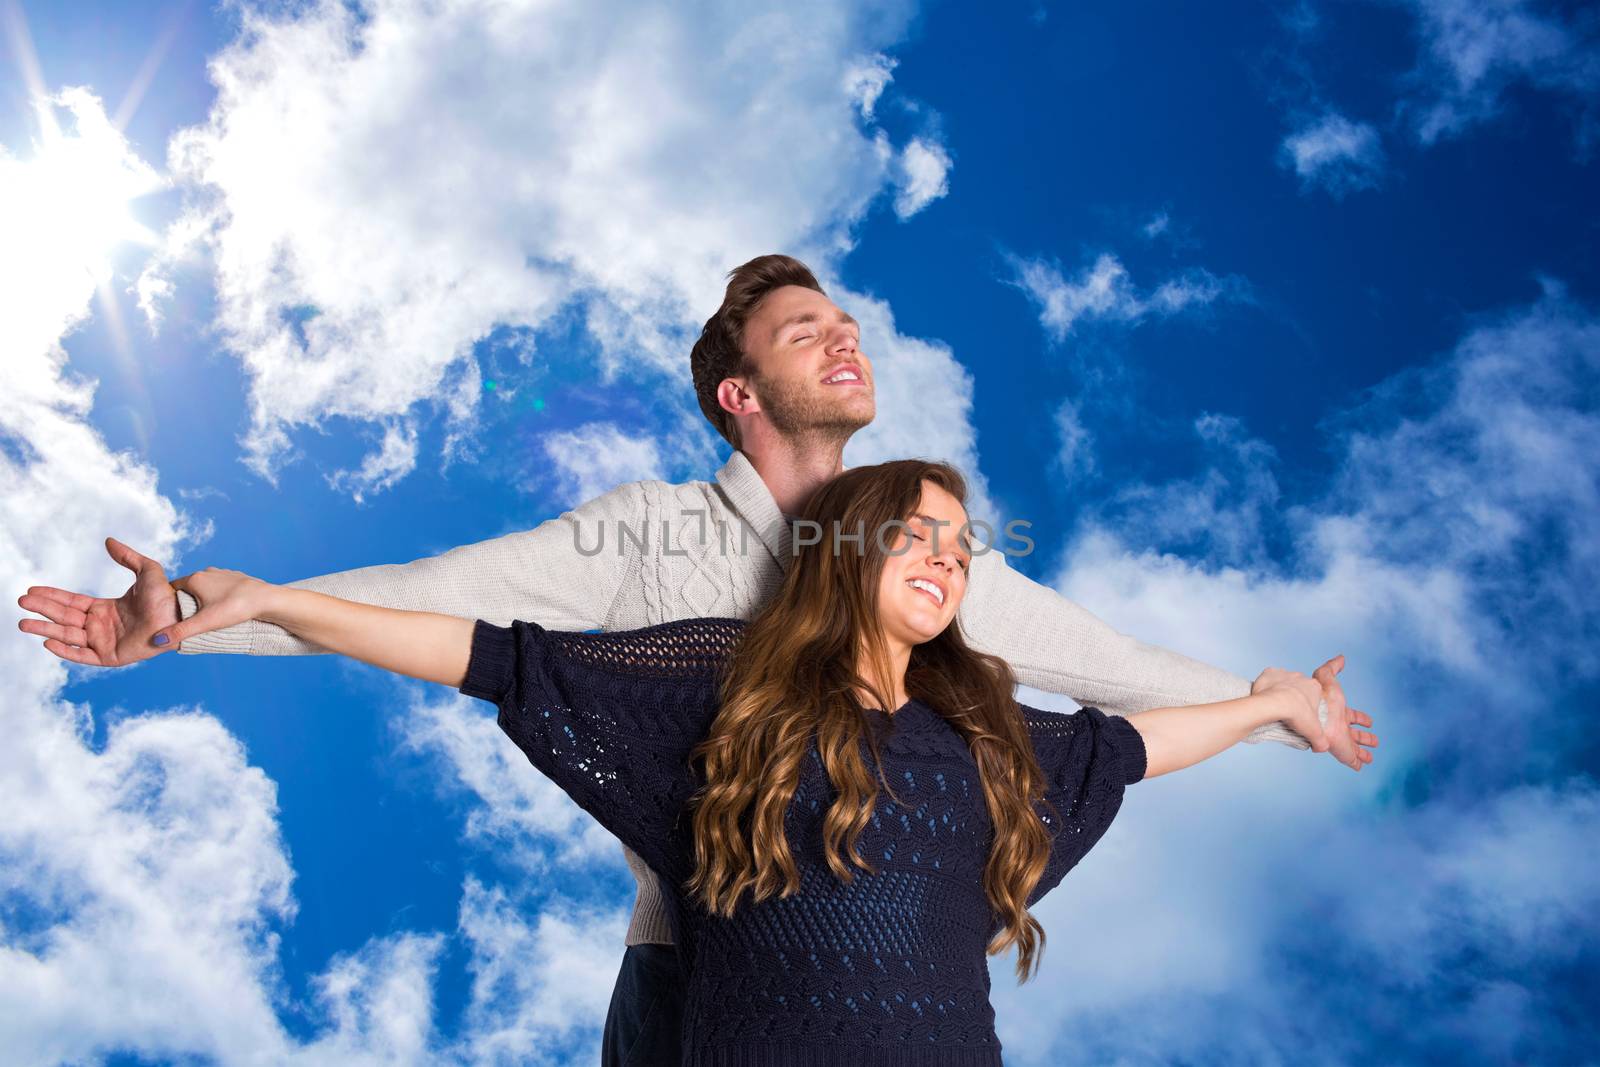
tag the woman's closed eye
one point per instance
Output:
(966, 564)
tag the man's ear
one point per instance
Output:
(735, 397)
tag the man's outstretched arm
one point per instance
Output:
(539, 573)
(1058, 646)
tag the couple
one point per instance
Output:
(831, 871)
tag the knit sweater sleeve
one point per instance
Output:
(549, 572)
(609, 717)
(1088, 758)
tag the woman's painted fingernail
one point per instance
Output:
(159, 639)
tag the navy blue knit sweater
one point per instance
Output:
(887, 970)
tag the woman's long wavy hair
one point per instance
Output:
(792, 679)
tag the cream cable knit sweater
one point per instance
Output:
(704, 549)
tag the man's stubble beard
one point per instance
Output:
(802, 416)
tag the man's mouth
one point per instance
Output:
(849, 374)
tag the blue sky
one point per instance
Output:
(1278, 322)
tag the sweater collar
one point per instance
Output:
(912, 719)
(752, 501)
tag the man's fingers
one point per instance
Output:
(126, 556)
(84, 655)
(53, 609)
(64, 597)
(70, 635)
(1327, 674)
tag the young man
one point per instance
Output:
(779, 372)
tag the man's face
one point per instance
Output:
(809, 375)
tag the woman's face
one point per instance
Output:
(925, 573)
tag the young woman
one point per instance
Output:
(851, 804)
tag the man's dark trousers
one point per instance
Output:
(645, 1023)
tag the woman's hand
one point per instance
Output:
(226, 598)
(1297, 698)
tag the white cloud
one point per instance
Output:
(156, 868)
(923, 176)
(866, 80)
(924, 401)
(394, 459)
(1076, 455)
(1156, 226)
(596, 458)
(377, 1004)
(1476, 51)
(1106, 292)
(381, 192)
(1332, 152)
(1223, 511)
(539, 990)
(515, 805)
(1451, 562)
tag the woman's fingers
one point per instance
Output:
(200, 622)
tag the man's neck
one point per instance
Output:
(792, 473)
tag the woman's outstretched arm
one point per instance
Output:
(419, 644)
(1175, 738)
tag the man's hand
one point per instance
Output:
(103, 632)
(1345, 740)
(1297, 697)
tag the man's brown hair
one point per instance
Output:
(719, 353)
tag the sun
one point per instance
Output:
(71, 202)
(65, 212)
